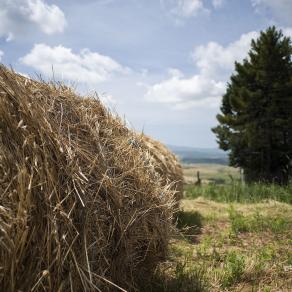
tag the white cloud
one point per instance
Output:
(50, 18)
(213, 59)
(184, 92)
(185, 8)
(189, 8)
(1, 54)
(217, 3)
(215, 63)
(18, 16)
(86, 67)
(287, 31)
(173, 72)
(280, 9)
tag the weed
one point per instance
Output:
(267, 253)
(184, 278)
(189, 223)
(289, 258)
(234, 267)
(238, 221)
(181, 249)
(203, 249)
(264, 256)
(278, 225)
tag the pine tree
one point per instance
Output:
(255, 123)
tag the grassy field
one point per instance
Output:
(237, 192)
(210, 173)
(232, 237)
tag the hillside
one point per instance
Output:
(200, 155)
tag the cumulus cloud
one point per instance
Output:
(189, 8)
(215, 63)
(86, 67)
(50, 18)
(17, 16)
(280, 9)
(287, 31)
(217, 3)
(184, 92)
(214, 60)
(1, 54)
(185, 8)
(173, 72)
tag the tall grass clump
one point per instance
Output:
(242, 193)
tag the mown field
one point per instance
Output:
(232, 237)
(210, 173)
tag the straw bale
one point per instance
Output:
(81, 209)
(167, 165)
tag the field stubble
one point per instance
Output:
(229, 242)
(240, 247)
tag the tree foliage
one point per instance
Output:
(255, 123)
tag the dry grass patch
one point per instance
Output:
(241, 247)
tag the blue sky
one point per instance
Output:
(161, 64)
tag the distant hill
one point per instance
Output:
(200, 155)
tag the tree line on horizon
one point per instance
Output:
(255, 123)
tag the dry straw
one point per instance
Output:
(81, 206)
(167, 165)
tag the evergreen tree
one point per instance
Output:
(255, 124)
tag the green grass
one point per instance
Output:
(180, 276)
(237, 192)
(232, 237)
(234, 266)
(256, 222)
(240, 247)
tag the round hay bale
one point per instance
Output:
(167, 165)
(80, 207)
